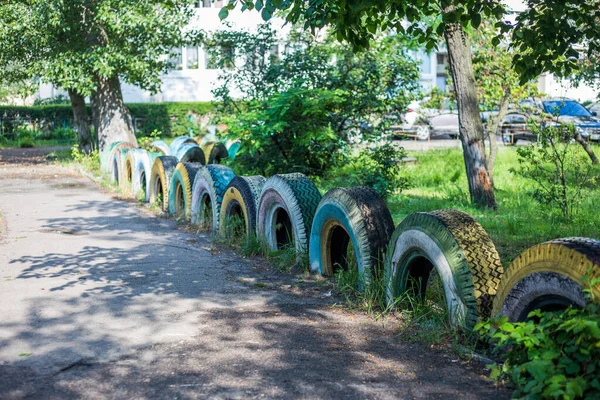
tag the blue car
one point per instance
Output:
(573, 113)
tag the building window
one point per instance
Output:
(223, 58)
(192, 58)
(425, 62)
(176, 59)
(206, 3)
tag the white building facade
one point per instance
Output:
(194, 76)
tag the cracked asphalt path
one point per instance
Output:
(100, 299)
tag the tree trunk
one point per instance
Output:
(110, 116)
(586, 146)
(469, 119)
(80, 117)
(492, 132)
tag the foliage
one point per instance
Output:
(553, 355)
(359, 22)
(495, 75)
(89, 161)
(559, 169)
(59, 99)
(73, 42)
(379, 167)
(170, 118)
(146, 142)
(299, 111)
(559, 37)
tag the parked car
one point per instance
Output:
(594, 108)
(571, 112)
(425, 123)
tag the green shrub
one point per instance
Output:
(559, 169)
(553, 355)
(172, 119)
(26, 143)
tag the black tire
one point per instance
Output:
(241, 199)
(190, 152)
(286, 208)
(180, 190)
(461, 252)
(215, 153)
(356, 216)
(548, 276)
(207, 195)
(160, 180)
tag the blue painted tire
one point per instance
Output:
(207, 195)
(355, 215)
(162, 147)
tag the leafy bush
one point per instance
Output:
(559, 169)
(555, 356)
(89, 161)
(299, 111)
(170, 118)
(378, 167)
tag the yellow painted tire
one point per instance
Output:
(126, 180)
(160, 180)
(180, 190)
(241, 198)
(548, 276)
(214, 152)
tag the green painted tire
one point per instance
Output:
(286, 208)
(345, 216)
(462, 253)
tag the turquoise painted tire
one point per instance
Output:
(209, 188)
(180, 190)
(107, 155)
(241, 199)
(114, 161)
(286, 208)
(345, 216)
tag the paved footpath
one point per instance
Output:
(101, 299)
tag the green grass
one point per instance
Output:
(439, 181)
(4, 144)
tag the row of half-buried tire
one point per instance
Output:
(287, 210)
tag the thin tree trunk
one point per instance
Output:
(109, 114)
(469, 119)
(80, 117)
(586, 146)
(493, 132)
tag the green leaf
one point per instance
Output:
(223, 13)
(258, 5)
(265, 14)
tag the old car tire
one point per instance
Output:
(355, 215)
(180, 190)
(548, 276)
(142, 172)
(461, 252)
(107, 155)
(162, 147)
(215, 153)
(160, 180)
(207, 194)
(241, 198)
(116, 161)
(178, 142)
(286, 208)
(190, 152)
